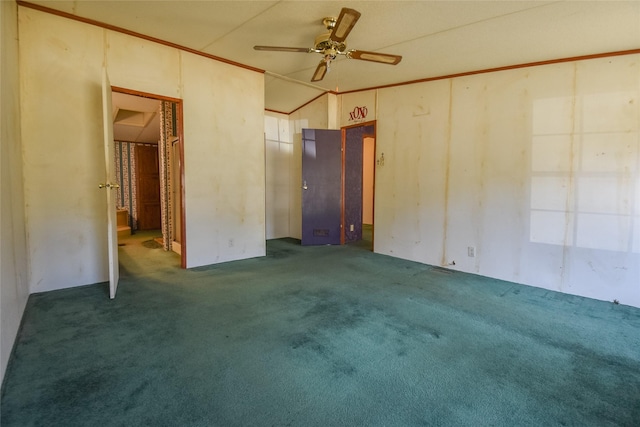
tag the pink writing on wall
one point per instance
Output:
(358, 113)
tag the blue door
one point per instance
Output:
(321, 186)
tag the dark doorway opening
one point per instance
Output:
(358, 184)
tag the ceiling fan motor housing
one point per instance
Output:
(323, 43)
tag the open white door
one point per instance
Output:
(109, 185)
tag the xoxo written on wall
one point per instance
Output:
(358, 113)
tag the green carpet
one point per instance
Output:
(319, 336)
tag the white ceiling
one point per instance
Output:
(435, 38)
(135, 119)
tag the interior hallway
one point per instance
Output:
(330, 335)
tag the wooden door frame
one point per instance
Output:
(180, 135)
(343, 173)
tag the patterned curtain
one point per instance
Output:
(125, 159)
(164, 154)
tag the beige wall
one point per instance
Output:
(13, 254)
(224, 161)
(536, 169)
(358, 107)
(368, 172)
(279, 153)
(61, 65)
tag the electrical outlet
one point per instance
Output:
(351, 227)
(231, 243)
(471, 251)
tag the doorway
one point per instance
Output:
(338, 173)
(359, 184)
(149, 168)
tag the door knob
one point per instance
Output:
(304, 185)
(108, 186)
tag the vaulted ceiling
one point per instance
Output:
(435, 38)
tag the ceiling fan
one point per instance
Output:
(333, 43)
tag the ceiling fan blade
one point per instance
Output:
(283, 49)
(384, 58)
(344, 24)
(320, 72)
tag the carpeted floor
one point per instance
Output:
(319, 336)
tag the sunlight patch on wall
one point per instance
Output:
(585, 184)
